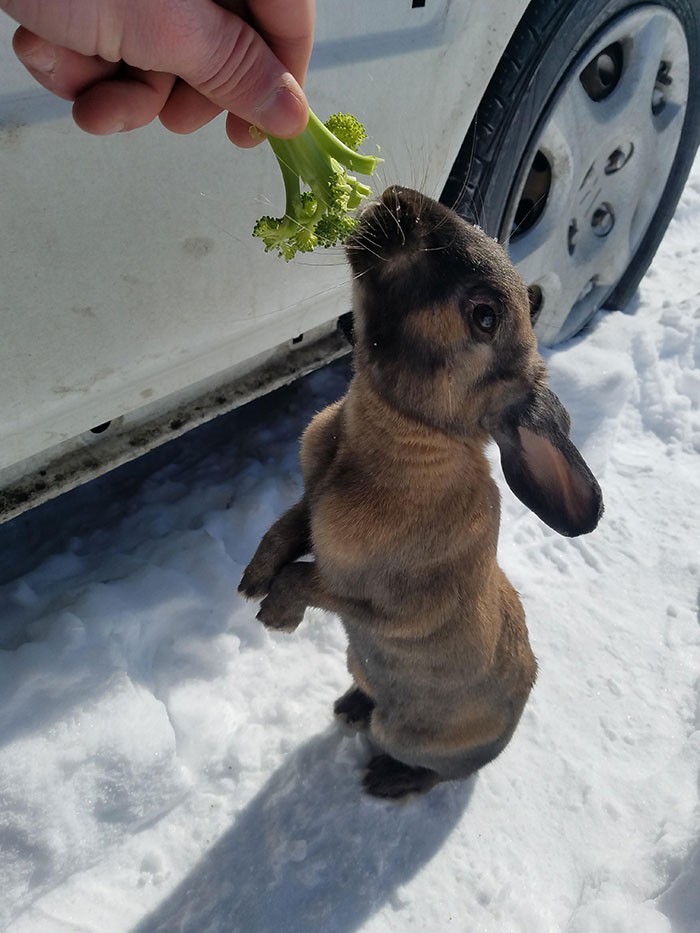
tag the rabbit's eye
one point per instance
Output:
(486, 317)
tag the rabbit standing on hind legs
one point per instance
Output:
(400, 511)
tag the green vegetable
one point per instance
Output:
(319, 159)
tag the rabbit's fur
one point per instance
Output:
(400, 511)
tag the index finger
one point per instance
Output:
(288, 28)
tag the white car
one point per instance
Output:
(135, 303)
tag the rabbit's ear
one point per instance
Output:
(542, 466)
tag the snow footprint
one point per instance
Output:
(669, 377)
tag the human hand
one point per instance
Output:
(125, 62)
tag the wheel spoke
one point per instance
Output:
(563, 143)
(633, 96)
(537, 249)
(586, 124)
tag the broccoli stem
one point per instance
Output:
(299, 158)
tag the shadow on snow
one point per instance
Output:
(311, 851)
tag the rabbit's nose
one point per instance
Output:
(367, 205)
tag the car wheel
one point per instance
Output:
(581, 147)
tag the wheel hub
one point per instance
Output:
(598, 165)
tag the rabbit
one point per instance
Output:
(400, 511)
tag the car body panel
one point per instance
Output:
(130, 282)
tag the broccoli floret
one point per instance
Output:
(319, 159)
(348, 129)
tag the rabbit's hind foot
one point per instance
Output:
(392, 779)
(354, 708)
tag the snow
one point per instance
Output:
(166, 764)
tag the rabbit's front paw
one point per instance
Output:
(284, 606)
(281, 617)
(257, 578)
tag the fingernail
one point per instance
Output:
(283, 113)
(42, 58)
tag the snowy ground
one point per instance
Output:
(166, 764)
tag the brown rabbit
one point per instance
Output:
(400, 511)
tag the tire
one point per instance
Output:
(581, 147)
